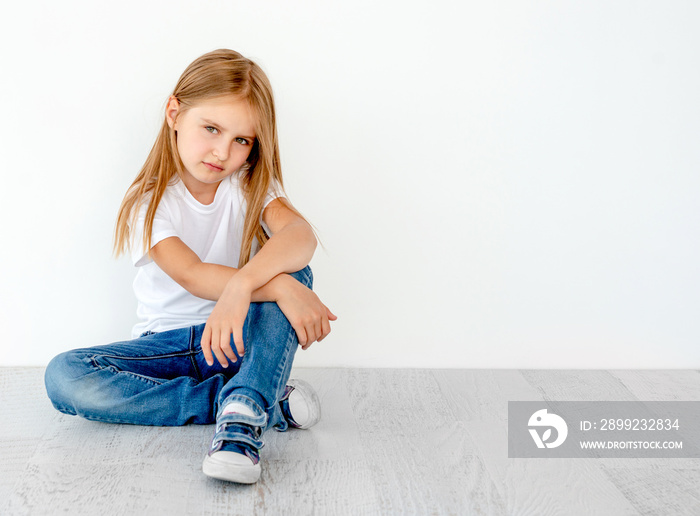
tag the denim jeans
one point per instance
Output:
(163, 379)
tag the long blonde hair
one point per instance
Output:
(215, 74)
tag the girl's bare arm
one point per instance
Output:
(289, 249)
(206, 280)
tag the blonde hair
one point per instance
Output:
(215, 74)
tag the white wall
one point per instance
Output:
(497, 184)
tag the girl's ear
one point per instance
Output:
(171, 111)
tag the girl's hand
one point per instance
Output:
(305, 312)
(227, 318)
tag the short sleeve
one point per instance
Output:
(162, 228)
(275, 192)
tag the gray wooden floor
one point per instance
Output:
(391, 441)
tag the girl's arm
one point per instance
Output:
(306, 313)
(289, 249)
(205, 280)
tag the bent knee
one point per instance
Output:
(59, 379)
(304, 276)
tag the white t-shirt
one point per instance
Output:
(214, 232)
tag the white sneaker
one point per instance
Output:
(300, 405)
(235, 460)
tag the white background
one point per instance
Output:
(496, 184)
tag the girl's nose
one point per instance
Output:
(220, 153)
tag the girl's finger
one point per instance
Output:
(326, 328)
(216, 348)
(226, 340)
(301, 335)
(331, 316)
(309, 330)
(318, 331)
(206, 346)
(238, 340)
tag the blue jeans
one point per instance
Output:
(163, 379)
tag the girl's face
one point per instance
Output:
(214, 139)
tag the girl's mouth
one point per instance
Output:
(213, 167)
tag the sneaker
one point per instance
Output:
(234, 454)
(300, 405)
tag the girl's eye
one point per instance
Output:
(212, 130)
(242, 141)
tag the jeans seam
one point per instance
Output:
(151, 357)
(193, 353)
(114, 370)
(113, 420)
(282, 366)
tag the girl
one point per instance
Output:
(223, 283)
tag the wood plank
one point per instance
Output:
(527, 486)
(661, 385)
(24, 407)
(422, 459)
(659, 491)
(578, 385)
(658, 385)
(483, 394)
(546, 486)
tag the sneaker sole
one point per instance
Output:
(312, 402)
(214, 468)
